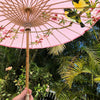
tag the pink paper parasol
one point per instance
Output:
(35, 24)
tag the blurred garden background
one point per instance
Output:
(70, 71)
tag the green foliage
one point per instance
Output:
(7, 86)
(39, 79)
(40, 90)
(69, 72)
(13, 85)
(97, 79)
(77, 66)
(20, 82)
(57, 50)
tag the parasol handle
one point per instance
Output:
(27, 97)
(27, 54)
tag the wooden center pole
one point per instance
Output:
(27, 54)
(27, 64)
(27, 59)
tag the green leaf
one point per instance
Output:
(89, 21)
(97, 79)
(4, 94)
(62, 21)
(86, 70)
(96, 1)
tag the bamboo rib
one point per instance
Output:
(12, 20)
(5, 7)
(11, 8)
(60, 32)
(3, 20)
(15, 35)
(65, 20)
(14, 2)
(23, 9)
(31, 39)
(64, 14)
(7, 24)
(25, 2)
(22, 40)
(18, 2)
(9, 14)
(33, 9)
(8, 32)
(56, 38)
(41, 11)
(22, 4)
(37, 3)
(33, 2)
(63, 25)
(69, 29)
(4, 3)
(73, 22)
(15, 13)
(59, 2)
(46, 38)
(19, 12)
(42, 32)
(41, 17)
(52, 34)
(73, 8)
(36, 32)
(37, 14)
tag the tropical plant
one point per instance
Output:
(86, 64)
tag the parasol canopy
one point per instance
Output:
(35, 24)
(47, 20)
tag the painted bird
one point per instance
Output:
(73, 16)
(81, 4)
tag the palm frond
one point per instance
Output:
(71, 72)
(93, 58)
(56, 50)
(86, 70)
